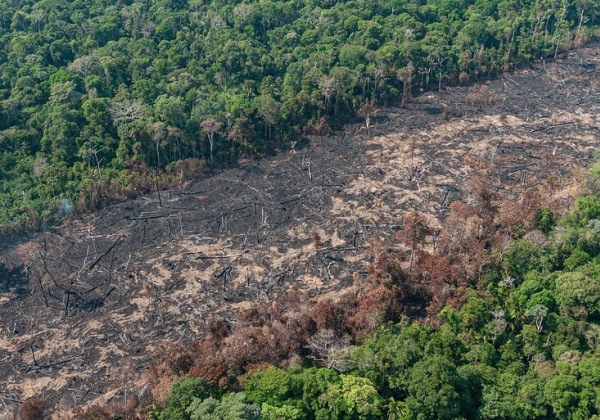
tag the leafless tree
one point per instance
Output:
(329, 349)
(40, 166)
(368, 124)
(406, 76)
(499, 324)
(83, 65)
(158, 134)
(379, 75)
(148, 29)
(327, 86)
(210, 126)
(93, 150)
(126, 111)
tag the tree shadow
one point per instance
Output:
(13, 280)
(90, 305)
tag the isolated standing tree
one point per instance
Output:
(158, 131)
(210, 126)
(327, 86)
(537, 313)
(268, 109)
(406, 76)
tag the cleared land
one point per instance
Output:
(85, 307)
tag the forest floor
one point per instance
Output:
(86, 307)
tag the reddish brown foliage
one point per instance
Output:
(515, 216)
(321, 128)
(212, 371)
(480, 96)
(218, 328)
(251, 316)
(186, 169)
(280, 331)
(292, 300)
(205, 349)
(174, 362)
(127, 409)
(247, 345)
(307, 324)
(328, 315)
(415, 229)
(32, 409)
(435, 269)
(481, 192)
(93, 413)
(454, 297)
(180, 364)
(466, 241)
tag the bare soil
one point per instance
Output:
(86, 307)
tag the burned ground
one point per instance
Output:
(86, 307)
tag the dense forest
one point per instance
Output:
(105, 100)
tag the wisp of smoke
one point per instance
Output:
(65, 208)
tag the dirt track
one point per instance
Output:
(85, 307)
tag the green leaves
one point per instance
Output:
(434, 389)
(231, 407)
(271, 386)
(184, 393)
(355, 397)
(576, 289)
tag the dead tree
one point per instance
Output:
(327, 86)
(126, 111)
(406, 76)
(210, 126)
(330, 350)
